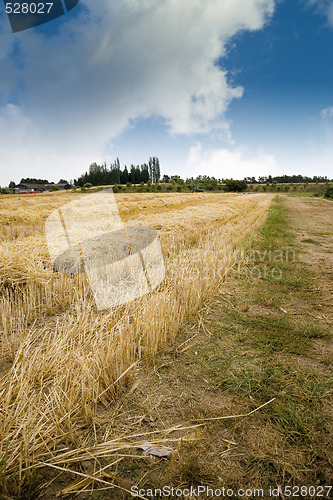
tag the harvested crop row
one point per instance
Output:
(65, 360)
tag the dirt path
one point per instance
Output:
(312, 223)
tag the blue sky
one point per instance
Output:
(229, 88)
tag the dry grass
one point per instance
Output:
(61, 361)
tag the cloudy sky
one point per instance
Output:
(229, 88)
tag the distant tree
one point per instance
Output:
(115, 171)
(175, 179)
(157, 169)
(154, 169)
(250, 180)
(235, 185)
(54, 187)
(329, 191)
(63, 181)
(132, 175)
(11, 184)
(145, 173)
(101, 175)
(95, 175)
(262, 180)
(33, 180)
(124, 176)
(150, 167)
(138, 175)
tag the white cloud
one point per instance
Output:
(224, 163)
(117, 62)
(330, 14)
(327, 112)
(321, 163)
(324, 7)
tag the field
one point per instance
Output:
(64, 365)
(228, 363)
(295, 189)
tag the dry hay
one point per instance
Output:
(68, 360)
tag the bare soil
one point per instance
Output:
(312, 223)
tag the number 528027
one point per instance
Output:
(28, 8)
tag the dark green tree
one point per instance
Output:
(115, 172)
(138, 174)
(33, 180)
(124, 176)
(329, 192)
(235, 186)
(145, 173)
(132, 175)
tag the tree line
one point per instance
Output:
(285, 179)
(102, 175)
(150, 173)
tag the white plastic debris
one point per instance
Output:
(156, 452)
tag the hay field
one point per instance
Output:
(63, 363)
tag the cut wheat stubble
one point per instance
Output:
(67, 358)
